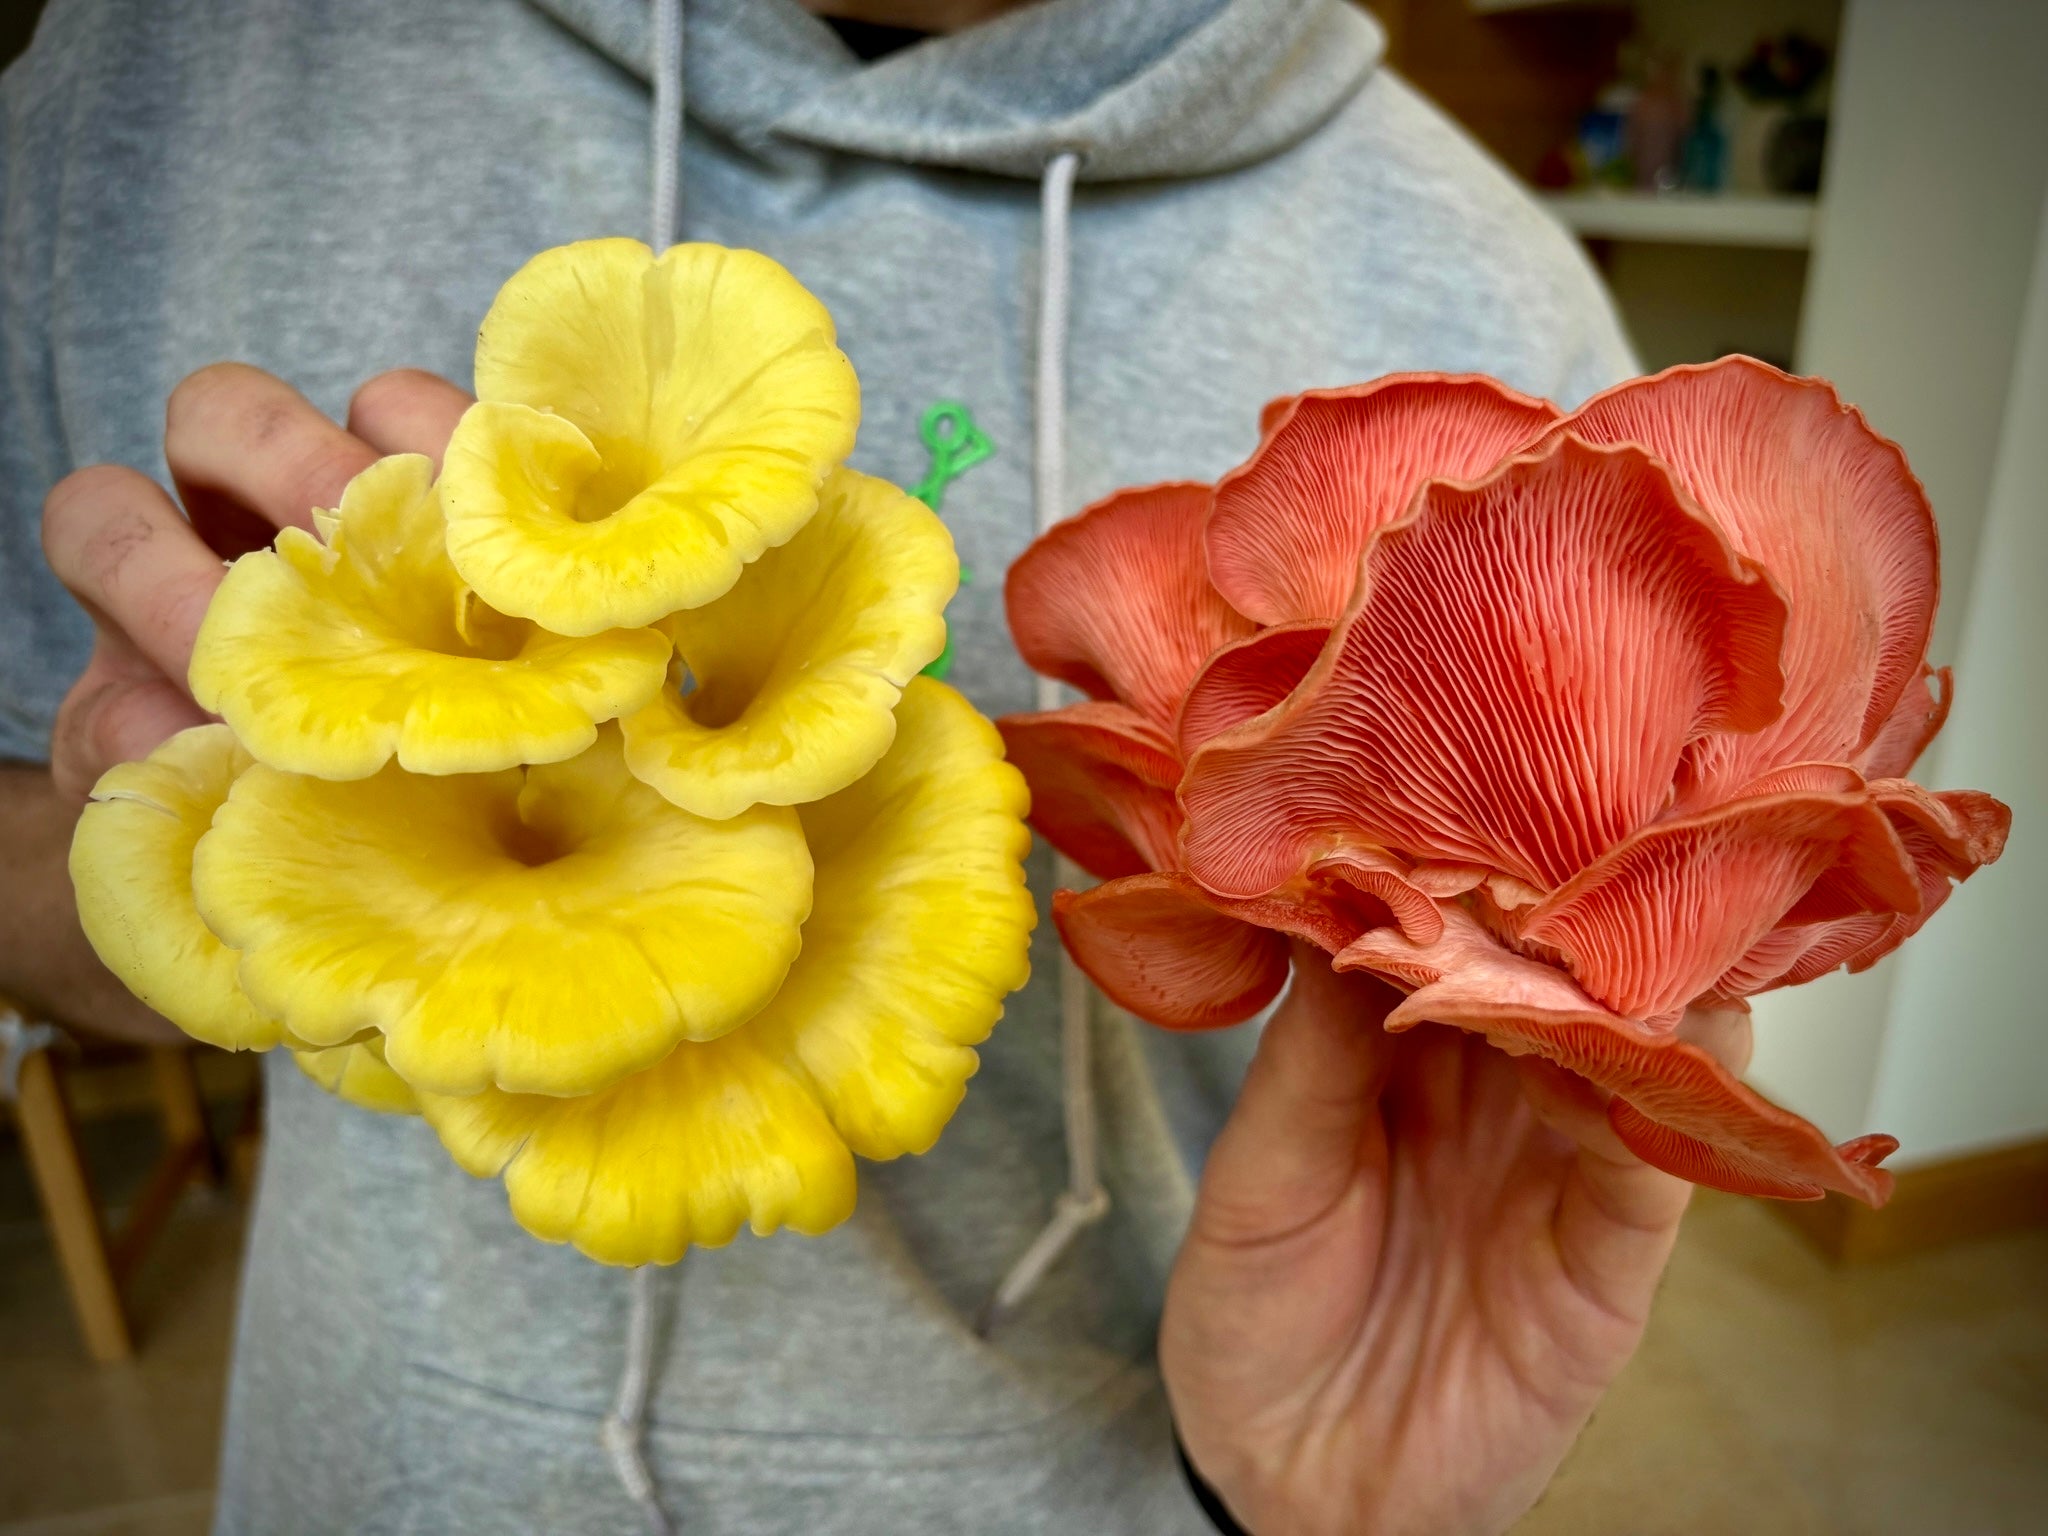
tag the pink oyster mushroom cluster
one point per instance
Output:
(1558, 723)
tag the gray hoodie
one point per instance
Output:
(327, 190)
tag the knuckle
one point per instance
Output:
(320, 472)
(223, 411)
(193, 398)
(109, 547)
(77, 757)
(92, 516)
(103, 731)
(73, 782)
(202, 393)
(234, 426)
(406, 410)
(116, 731)
(175, 608)
(110, 718)
(384, 394)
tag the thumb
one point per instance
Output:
(1308, 1112)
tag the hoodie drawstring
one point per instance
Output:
(624, 1427)
(1084, 1201)
(667, 149)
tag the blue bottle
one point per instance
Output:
(1705, 156)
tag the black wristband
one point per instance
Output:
(1210, 1501)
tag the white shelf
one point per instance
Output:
(1688, 218)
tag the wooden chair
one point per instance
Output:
(95, 1266)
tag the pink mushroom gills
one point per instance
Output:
(1558, 723)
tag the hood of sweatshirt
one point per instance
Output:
(1137, 88)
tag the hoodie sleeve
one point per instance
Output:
(1459, 267)
(1596, 352)
(44, 637)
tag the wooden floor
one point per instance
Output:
(1775, 1396)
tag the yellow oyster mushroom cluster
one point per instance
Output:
(584, 798)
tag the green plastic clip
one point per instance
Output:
(956, 445)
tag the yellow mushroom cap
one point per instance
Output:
(357, 1074)
(131, 870)
(645, 427)
(920, 928)
(796, 671)
(546, 930)
(333, 658)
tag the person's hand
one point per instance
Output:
(1415, 1265)
(249, 455)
